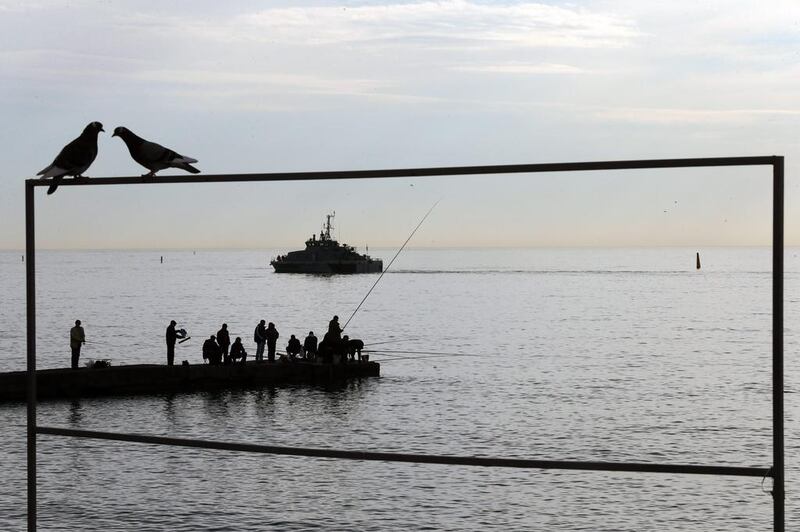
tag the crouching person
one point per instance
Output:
(293, 348)
(212, 352)
(237, 351)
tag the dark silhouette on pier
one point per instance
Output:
(334, 328)
(74, 158)
(224, 341)
(172, 336)
(260, 338)
(153, 156)
(211, 351)
(310, 346)
(272, 341)
(294, 347)
(354, 347)
(77, 337)
(237, 351)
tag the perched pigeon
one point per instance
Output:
(153, 156)
(75, 158)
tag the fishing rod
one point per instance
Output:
(390, 264)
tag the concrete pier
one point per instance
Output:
(143, 379)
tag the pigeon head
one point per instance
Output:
(94, 128)
(120, 131)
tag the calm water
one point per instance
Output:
(610, 355)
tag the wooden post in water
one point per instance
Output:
(698, 260)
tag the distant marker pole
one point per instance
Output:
(698, 260)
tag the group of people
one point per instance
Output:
(217, 349)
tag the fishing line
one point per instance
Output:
(436, 353)
(420, 357)
(394, 341)
(390, 264)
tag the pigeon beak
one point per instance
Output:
(114, 134)
(101, 129)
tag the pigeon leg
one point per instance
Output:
(150, 174)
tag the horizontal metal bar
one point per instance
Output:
(419, 172)
(413, 458)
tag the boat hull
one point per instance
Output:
(151, 379)
(375, 266)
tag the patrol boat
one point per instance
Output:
(326, 255)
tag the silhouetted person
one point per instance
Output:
(224, 341)
(76, 339)
(342, 348)
(333, 327)
(237, 350)
(211, 352)
(260, 338)
(272, 341)
(354, 347)
(172, 336)
(293, 348)
(310, 345)
(329, 346)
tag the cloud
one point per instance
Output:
(520, 24)
(689, 116)
(522, 68)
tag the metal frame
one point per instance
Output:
(776, 471)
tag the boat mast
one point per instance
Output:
(328, 226)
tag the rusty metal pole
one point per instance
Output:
(30, 290)
(778, 490)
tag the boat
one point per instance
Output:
(327, 256)
(153, 379)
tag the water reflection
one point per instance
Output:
(75, 417)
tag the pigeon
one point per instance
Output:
(153, 156)
(75, 158)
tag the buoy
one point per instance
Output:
(698, 260)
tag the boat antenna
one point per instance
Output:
(390, 263)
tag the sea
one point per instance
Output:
(590, 354)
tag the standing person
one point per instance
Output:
(172, 336)
(224, 341)
(310, 346)
(272, 340)
(76, 339)
(260, 338)
(334, 328)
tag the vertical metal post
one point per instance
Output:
(778, 493)
(30, 288)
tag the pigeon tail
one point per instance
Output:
(188, 167)
(51, 171)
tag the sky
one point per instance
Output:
(318, 85)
